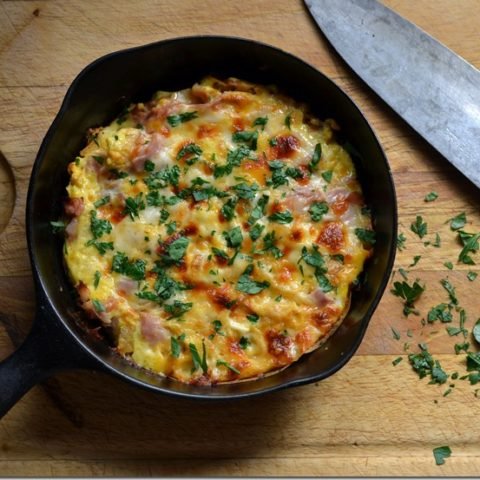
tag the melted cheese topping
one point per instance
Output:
(216, 230)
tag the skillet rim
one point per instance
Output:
(42, 291)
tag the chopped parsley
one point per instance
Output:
(450, 289)
(98, 226)
(199, 362)
(253, 317)
(419, 227)
(175, 346)
(441, 453)
(248, 137)
(409, 293)
(256, 231)
(317, 210)
(234, 158)
(134, 269)
(244, 342)
(102, 247)
(246, 284)
(440, 312)
(281, 217)
(260, 122)
(228, 208)
(288, 121)
(223, 363)
(449, 265)
(458, 222)
(102, 201)
(472, 276)
(259, 210)
(397, 361)
(327, 175)
(470, 245)
(171, 227)
(416, 259)
(437, 242)
(430, 197)
(58, 226)
(175, 120)
(401, 239)
(395, 333)
(133, 205)
(424, 364)
(245, 191)
(96, 279)
(98, 306)
(233, 237)
(366, 236)
(177, 308)
(163, 178)
(191, 151)
(317, 155)
(176, 250)
(270, 245)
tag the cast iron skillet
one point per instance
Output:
(57, 341)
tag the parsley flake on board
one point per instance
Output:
(409, 293)
(450, 289)
(449, 265)
(472, 276)
(397, 361)
(424, 364)
(401, 239)
(470, 245)
(458, 222)
(440, 312)
(395, 333)
(416, 259)
(175, 120)
(419, 227)
(430, 197)
(437, 242)
(441, 453)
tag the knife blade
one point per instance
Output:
(433, 89)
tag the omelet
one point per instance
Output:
(216, 231)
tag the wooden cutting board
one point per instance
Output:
(372, 418)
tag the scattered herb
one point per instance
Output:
(99, 227)
(416, 258)
(176, 250)
(281, 217)
(134, 269)
(327, 175)
(409, 293)
(248, 137)
(228, 208)
(177, 308)
(259, 210)
(424, 364)
(98, 306)
(401, 239)
(246, 191)
(191, 151)
(397, 361)
(419, 227)
(234, 158)
(470, 245)
(451, 290)
(437, 242)
(163, 178)
(288, 121)
(233, 237)
(472, 276)
(175, 120)
(247, 285)
(458, 222)
(58, 226)
(317, 210)
(133, 205)
(430, 197)
(365, 236)
(317, 155)
(223, 363)
(260, 121)
(253, 317)
(96, 279)
(441, 453)
(395, 333)
(102, 201)
(440, 312)
(244, 342)
(197, 361)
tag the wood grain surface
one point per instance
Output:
(371, 418)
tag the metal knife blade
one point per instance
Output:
(433, 89)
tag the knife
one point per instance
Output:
(429, 86)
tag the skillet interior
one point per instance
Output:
(101, 91)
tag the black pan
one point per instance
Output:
(57, 340)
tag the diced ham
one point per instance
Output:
(300, 199)
(151, 328)
(125, 286)
(74, 206)
(72, 229)
(146, 151)
(320, 298)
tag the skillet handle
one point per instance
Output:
(46, 351)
